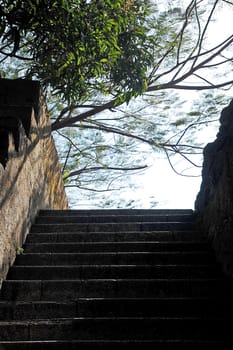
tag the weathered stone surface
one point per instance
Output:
(31, 179)
(214, 203)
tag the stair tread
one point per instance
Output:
(141, 280)
(113, 218)
(109, 299)
(111, 266)
(123, 328)
(165, 243)
(129, 242)
(129, 236)
(120, 253)
(113, 318)
(150, 246)
(46, 272)
(111, 227)
(117, 341)
(106, 211)
(115, 344)
(118, 258)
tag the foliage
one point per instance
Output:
(19, 250)
(79, 47)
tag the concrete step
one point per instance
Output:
(113, 227)
(174, 344)
(112, 271)
(133, 236)
(121, 328)
(116, 258)
(118, 307)
(150, 246)
(160, 307)
(106, 212)
(62, 219)
(70, 290)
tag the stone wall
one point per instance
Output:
(214, 203)
(31, 179)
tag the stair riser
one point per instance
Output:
(116, 345)
(37, 310)
(154, 308)
(105, 212)
(117, 227)
(113, 219)
(100, 272)
(115, 308)
(110, 328)
(72, 290)
(113, 247)
(115, 259)
(172, 236)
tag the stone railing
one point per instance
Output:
(30, 176)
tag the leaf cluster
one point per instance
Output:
(78, 47)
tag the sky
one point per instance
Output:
(162, 185)
(169, 189)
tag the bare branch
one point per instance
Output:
(184, 131)
(204, 79)
(228, 2)
(210, 54)
(204, 32)
(176, 150)
(188, 12)
(227, 60)
(186, 146)
(67, 158)
(70, 140)
(173, 168)
(189, 87)
(91, 189)
(111, 129)
(173, 44)
(97, 168)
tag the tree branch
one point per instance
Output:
(97, 168)
(91, 189)
(173, 168)
(97, 109)
(189, 87)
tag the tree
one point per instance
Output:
(80, 47)
(95, 57)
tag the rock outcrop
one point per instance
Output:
(214, 203)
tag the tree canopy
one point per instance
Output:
(80, 47)
(111, 70)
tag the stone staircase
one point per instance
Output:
(116, 279)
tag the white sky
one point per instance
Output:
(168, 189)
